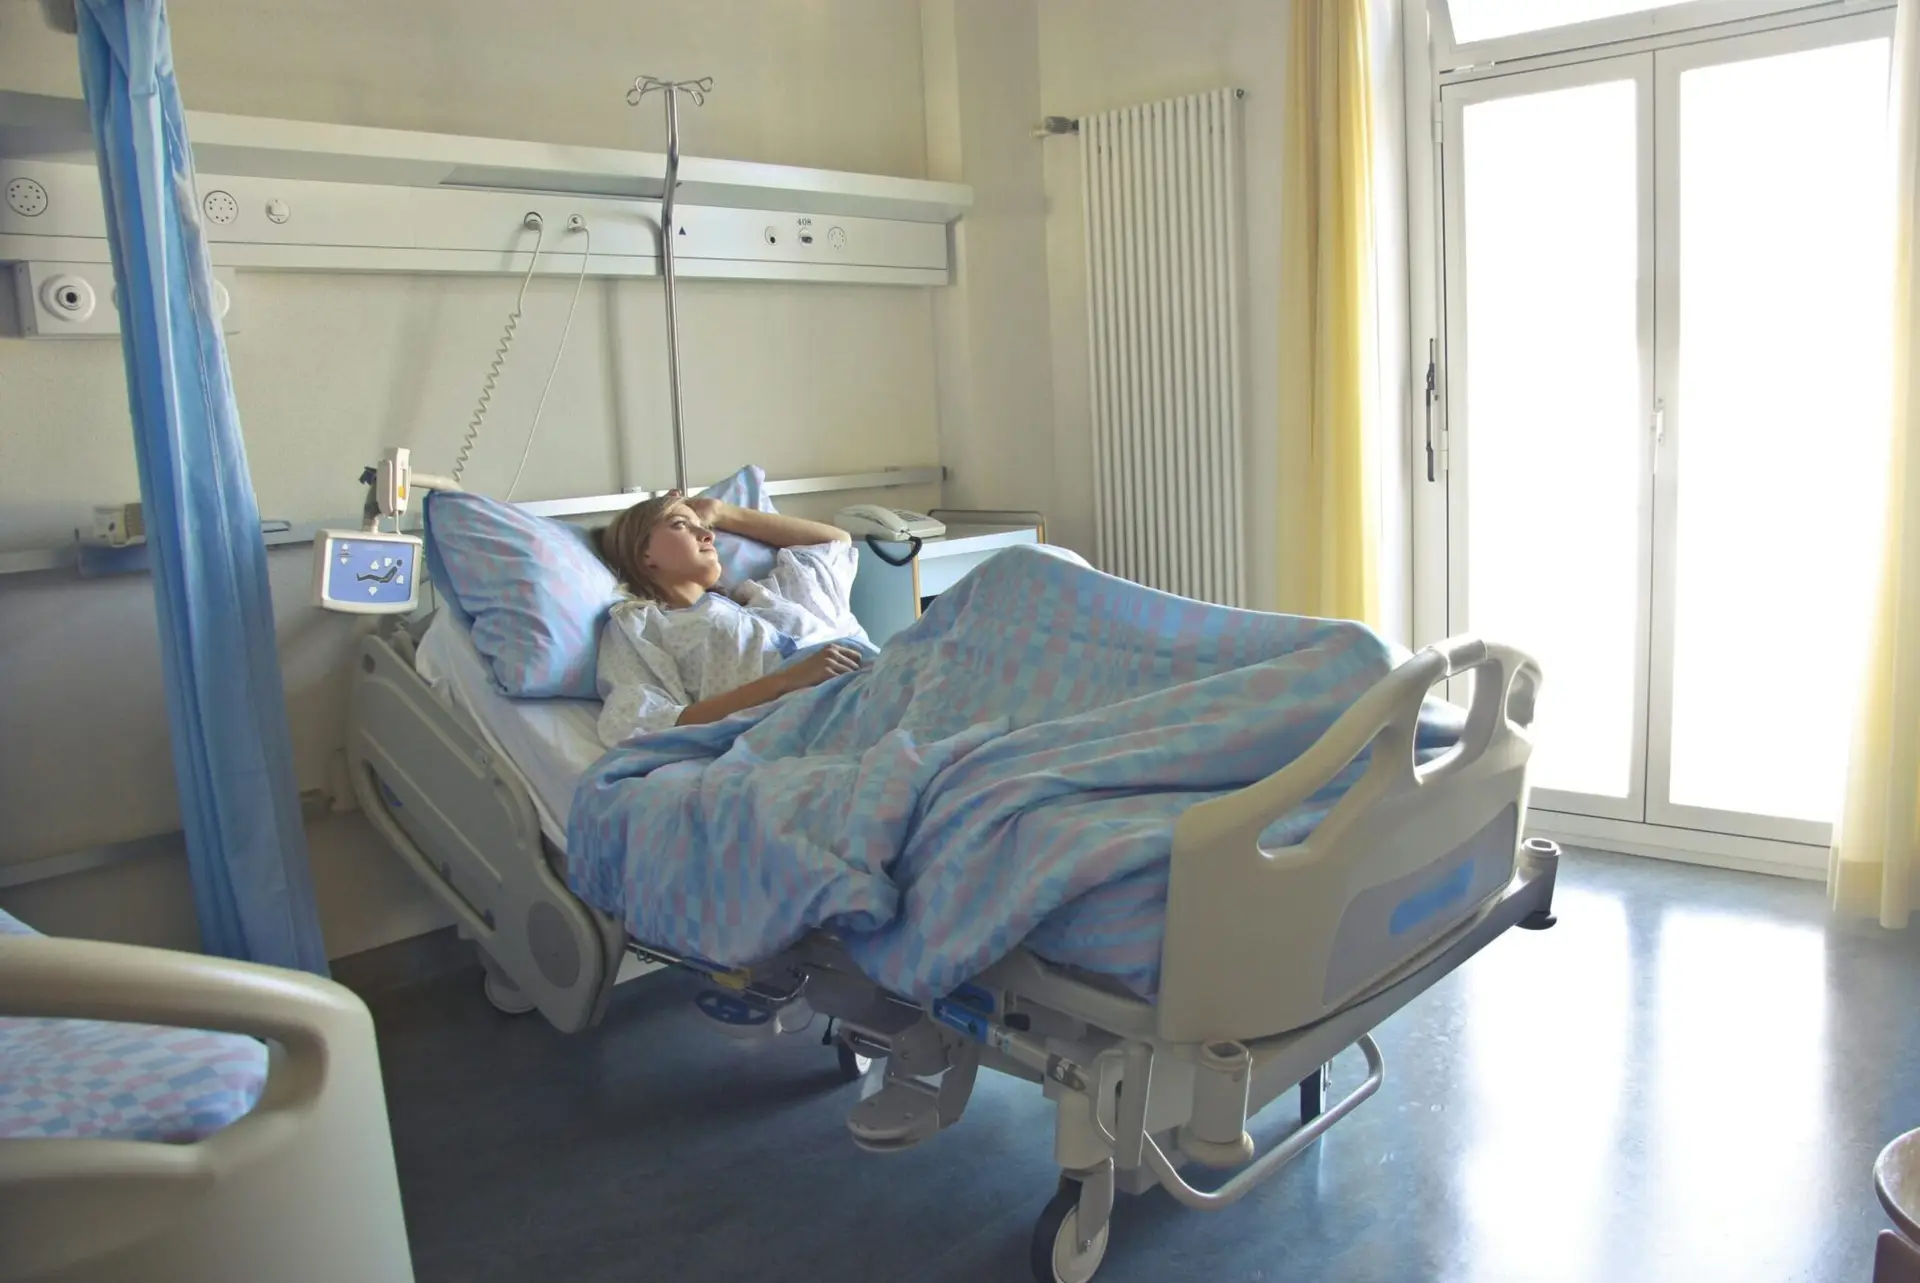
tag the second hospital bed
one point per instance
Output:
(172, 1116)
(1274, 962)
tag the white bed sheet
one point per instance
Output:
(552, 741)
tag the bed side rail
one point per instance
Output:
(301, 1189)
(1259, 942)
(464, 820)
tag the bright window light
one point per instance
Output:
(1554, 445)
(1784, 367)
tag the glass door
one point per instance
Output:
(1666, 355)
(1773, 368)
(1549, 264)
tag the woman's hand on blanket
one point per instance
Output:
(826, 663)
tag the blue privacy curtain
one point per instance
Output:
(232, 754)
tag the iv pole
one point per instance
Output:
(671, 90)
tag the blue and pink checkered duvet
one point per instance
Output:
(1009, 769)
(107, 1080)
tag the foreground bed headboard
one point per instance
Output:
(302, 1189)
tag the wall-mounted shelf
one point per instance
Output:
(96, 560)
(293, 195)
(92, 560)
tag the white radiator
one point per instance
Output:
(1163, 314)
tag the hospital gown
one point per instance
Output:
(655, 661)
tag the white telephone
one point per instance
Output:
(896, 524)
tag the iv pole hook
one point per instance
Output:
(671, 90)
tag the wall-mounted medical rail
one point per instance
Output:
(94, 560)
(283, 195)
(881, 480)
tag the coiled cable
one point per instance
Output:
(538, 225)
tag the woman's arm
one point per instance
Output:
(760, 691)
(770, 528)
(829, 661)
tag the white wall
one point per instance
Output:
(329, 369)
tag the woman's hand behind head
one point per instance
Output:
(710, 511)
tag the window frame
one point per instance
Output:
(1431, 61)
(1451, 54)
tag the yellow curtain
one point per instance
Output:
(1327, 493)
(1870, 868)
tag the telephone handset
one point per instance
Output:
(874, 523)
(896, 524)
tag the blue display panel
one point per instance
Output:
(372, 572)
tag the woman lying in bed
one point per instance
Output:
(678, 653)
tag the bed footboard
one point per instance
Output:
(463, 819)
(1259, 941)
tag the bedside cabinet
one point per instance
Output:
(887, 598)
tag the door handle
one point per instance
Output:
(1433, 370)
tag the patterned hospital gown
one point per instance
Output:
(655, 661)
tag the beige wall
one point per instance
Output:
(830, 83)
(1097, 55)
(329, 369)
(996, 365)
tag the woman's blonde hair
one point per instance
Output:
(622, 543)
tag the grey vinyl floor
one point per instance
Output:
(1687, 1079)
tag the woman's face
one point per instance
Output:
(680, 551)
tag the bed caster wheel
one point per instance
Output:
(505, 997)
(853, 1065)
(1059, 1254)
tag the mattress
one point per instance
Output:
(552, 741)
(110, 1080)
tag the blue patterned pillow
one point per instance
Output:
(533, 590)
(742, 559)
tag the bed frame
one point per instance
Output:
(1274, 961)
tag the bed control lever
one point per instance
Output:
(1019, 1048)
(929, 1080)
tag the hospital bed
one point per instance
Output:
(1273, 963)
(170, 1117)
